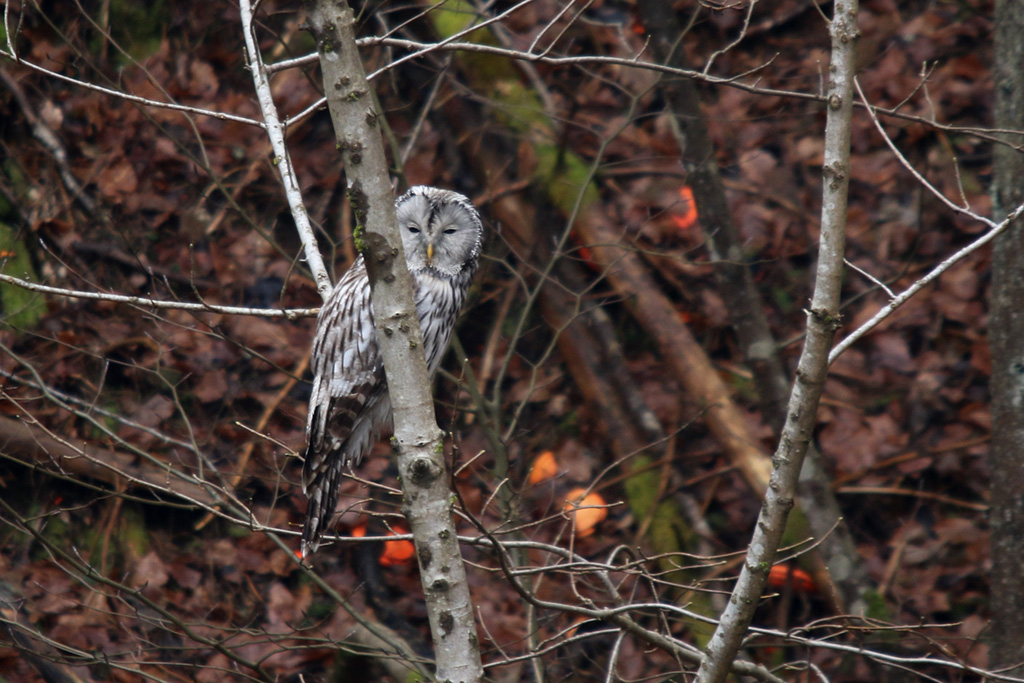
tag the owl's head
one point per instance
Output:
(441, 230)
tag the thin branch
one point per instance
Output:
(989, 134)
(74, 565)
(120, 94)
(422, 49)
(89, 406)
(743, 34)
(898, 300)
(871, 278)
(965, 209)
(51, 142)
(430, 47)
(147, 302)
(923, 282)
(282, 160)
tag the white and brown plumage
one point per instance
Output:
(442, 235)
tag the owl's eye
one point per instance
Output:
(450, 231)
(414, 230)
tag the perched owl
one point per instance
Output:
(442, 235)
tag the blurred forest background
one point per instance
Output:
(614, 342)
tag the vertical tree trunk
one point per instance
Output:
(427, 496)
(1006, 338)
(818, 508)
(812, 369)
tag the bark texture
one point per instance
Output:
(1006, 338)
(424, 476)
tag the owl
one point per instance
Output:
(442, 235)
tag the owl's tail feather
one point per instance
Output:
(323, 498)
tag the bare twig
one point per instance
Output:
(122, 95)
(146, 302)
(923, 282)
(50, 141)
(28, 442)
(965, 208)
(874, 280)
(736, 41)
(282, 160)
(995, 229)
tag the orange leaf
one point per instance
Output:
(398, 551)
(583, 508)
(575, 626)
(583, 252)
(781, 574)
(544, 467)
(689, 217)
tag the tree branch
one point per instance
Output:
(282, 160)
(842, 578)
(147, 302)
(895, 301)
(812, 368)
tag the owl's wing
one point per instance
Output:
(348, 406)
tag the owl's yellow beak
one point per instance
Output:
(430, 252)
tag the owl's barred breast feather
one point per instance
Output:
(350, 405)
